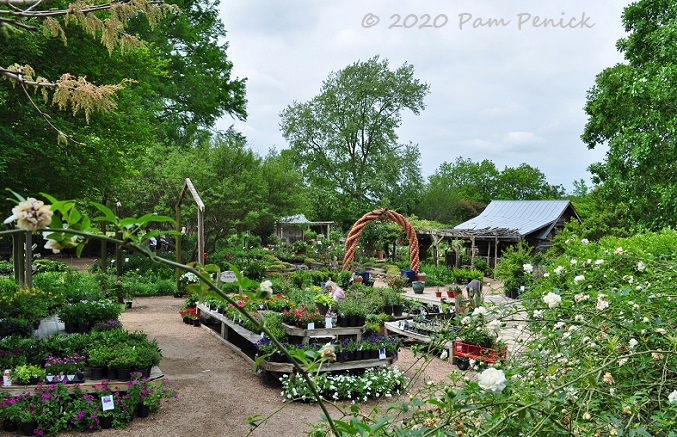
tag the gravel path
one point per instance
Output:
(217, 389)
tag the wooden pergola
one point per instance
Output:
(492, 236)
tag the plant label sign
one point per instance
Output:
(382, 353)
(327, 322)
(107, 403)
(311, 326)
(228, 276)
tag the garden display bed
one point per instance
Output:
(397, 328)
(243, 342)
(87, 386)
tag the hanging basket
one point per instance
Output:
(381, 214)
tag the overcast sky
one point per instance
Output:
(505, 84)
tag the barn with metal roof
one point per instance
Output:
(506, 222)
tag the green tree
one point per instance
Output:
(459, 191)
(242, 191)
(631, 109)
(344, 140)
(526, 183)
(154, 99)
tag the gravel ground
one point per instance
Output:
(217, 389)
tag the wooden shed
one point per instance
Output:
(503, 223)
(292, 228)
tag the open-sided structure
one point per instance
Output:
(506, 222)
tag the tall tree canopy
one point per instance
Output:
(344, 141)
(241, 190)
(459, 191)
(631, 108)
(179, 84)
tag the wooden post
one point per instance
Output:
(28, 263)
(18, 241)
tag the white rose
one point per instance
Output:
(578, 279)
(493, 380)
(479, 311)
(672, 397)
(559, 269)
(641, 266)
(585, 241)
(552, 299)
(632, 343)
(528, 268)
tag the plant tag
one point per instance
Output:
(382, 353)
(439, 308)
(107, 403)
(263, 335)
(311, 326)
(327, 322)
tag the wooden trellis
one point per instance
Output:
(381, 214)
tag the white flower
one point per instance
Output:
(618, 251)
(31, 215)
(266, 286)
(567, 242)
(528, 268)
(672, 397)
(578, 279)
(585, 241)
(479, 311)
(599, 262)
(444, 355)
(552, 299)
(538, 314)
(559, 269)
(189, 277)
(602, 304)
(494, 326)
(546, 275)
(492, 379)
(641, 266)
(465, 320)
(58, 245)
(622, 361)
(632, 343)
(580, 297)
(573, 261)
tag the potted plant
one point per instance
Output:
(29, 374)
(124, 361)
(98, 358)
(323, 301)
(398, 305)
(454, 291)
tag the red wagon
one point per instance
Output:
(466, 351)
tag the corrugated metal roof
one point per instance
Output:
(523, 216)
(298, 219)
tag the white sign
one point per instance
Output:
(311, 326)
(382, 353)
(107, 403)
(228, 276)
(327, 322)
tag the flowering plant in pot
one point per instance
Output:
(148, 393)
(301, 316)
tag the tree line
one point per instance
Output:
(174, 80)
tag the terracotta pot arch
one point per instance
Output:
(381, 214)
